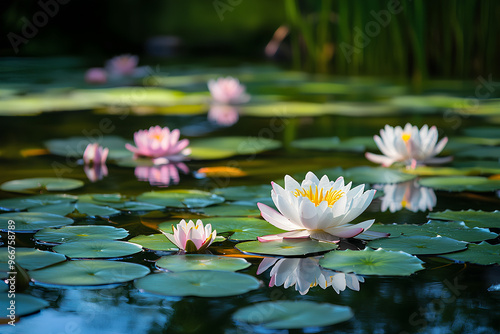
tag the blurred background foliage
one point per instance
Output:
(407, 38)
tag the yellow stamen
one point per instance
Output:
(317, 196)
(157, 136)
(406, 137)
(404, 203)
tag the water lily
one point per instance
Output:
(407, 195)
(125, 66)
(95, 154)
(160, 144)
(305, 273)
(163, 175)
(223, 115)
(319, 209)
(96, 75)
(228, 91)
(192, 238)
(410, 146)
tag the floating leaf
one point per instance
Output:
(75, 146)
(461, 183)
(440, 171)
(287, 314)
(372, 262)
(89, 272)
(25, 304)
(97, 249)
(80, 233)
(41, 183)
(244, 193)
(231, 210)
(77, 209)
(31, 221)
(181, 198)
(327, 144)
(201, 283)
(23, 203)
(286, 247)
(480, 152)
(224, 147)
(187, 262)
(470, 217)
(419, 244)
(484, 254)
(367, 175)
(117, 201)
(484, 132)
(157, 242)
(30, 258)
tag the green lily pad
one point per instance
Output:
(200, 283)
(41, 183)
(475, 141)
(77, 210)
(89, 272)
(31, 221)
(187, 262)
(181, 198)
(75, 146)
(372, 262)
(97, 249)
(290, 247)
(284, 109)
(440, 171)
(367, 175)
(288, 314)
(484, 254)
(25, 304)
(419, 244)
(476, 167)
(157, 242)
(480, 152)
(23, 203)
(118, 201)
(244, 193)
(484, 132)
(461, 183)
(224, 147)
(80, 233)
(30, 258)
(327, 144)
(471, 218)
(231, 210)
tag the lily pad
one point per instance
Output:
(181, 198)
(77, 210)
(30, 222)
(327, 144)
(471, 218)
(480, 152)
(25, 304)
(461, 183)
(200, 283)
(75, 146)
(80, 233)
(287, 314)
(30, 258)
(23, 203)
(367, 175)
(372, 262)
(231, 210)
(419, 244)
(118, 201)
(224, 147)
(484, 254)
(286, 247)
(98, 249)
(201, 262)
(157, 242)
(244, 193)
(89, 272)
(41, 183)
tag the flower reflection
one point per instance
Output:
(94, 159)
(223, 115)
(95, 172)
(407, 195)
(305, 273)
(162, 175)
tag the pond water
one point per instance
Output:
(445, 297)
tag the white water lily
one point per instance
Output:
(408, 145)
(305, 273)
(319, 209)
(407, 195)
(192, 238)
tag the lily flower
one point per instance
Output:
(223, 115)
(192, 238)
(125, 66)
(228, 91)
(305, 273)
(319, 209)
(162, 175)
(96, 75)
(95, 154)
(160, 144)
(407, 195)
(410, 146)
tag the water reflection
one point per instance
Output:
(162, 175)
(95, 172)
(305, 273)
(223, 115)
(407, 195)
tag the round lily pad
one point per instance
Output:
(286, 247)
(97, 249)
(484, 254)
(77, 209)
(23, 203)
(30, 258)
(41, 183)
(25, 304)
(224, 147)
(80, 233)
(30, 222)
(461, 183)
(89, 272)
(187, 262)
(231, 210)
(419, 244)
(157, 242)
(201, 283)
(480, 152)
(471, 218)
(328, 144)
(372, 262)
(118, 201)
(181, 198)
(288, 314)
(367, 175)
(244, 193)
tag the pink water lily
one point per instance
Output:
(192, 238)
(160, 144)
(125, 66)
(95, 154)
(410, 146)
(223, 115)
(162, 175)
(317, 209)
(227, 91)
(96, 75)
